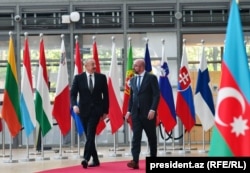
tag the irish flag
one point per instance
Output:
(61, 109)
(231, 133)
(11, 112)
(42, 99)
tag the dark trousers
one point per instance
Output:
(140, 123)
(90, 123)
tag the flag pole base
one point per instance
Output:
(117, 149)
(28, 160)
(10, 161)
(100, 155)
(184, 151)
(70, 151)
(127, 154)
(42, 158)
(162, 153)
(115, 155)
(77, 157)
(61, 157)
(145, 153)
(203, 151)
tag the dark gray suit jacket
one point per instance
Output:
(147, 98)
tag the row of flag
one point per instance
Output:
(231, 132)
(17, 117)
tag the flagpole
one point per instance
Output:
(27, 159)
(3, 142)
(164, 143)
(203, 143)
(114, 154)
(130, 141)
(60, 150)
(42, 151)
(183, 142)
(10, 158)
(147, 150)
(173, 139)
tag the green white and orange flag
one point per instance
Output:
(42, 99)
(11, 112)
(129, 75)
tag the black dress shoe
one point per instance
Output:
(94, 164)
(133, 164)
(84, 164)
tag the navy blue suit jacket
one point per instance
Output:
(147, 98)
(97, 100)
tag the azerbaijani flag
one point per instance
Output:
(184, 101)
(231, 133)
(42, 99)
(166, 107)
(27, 101)
(129, 75)
(203, 98)
(61, 109)
(115, 112)
(11, 111)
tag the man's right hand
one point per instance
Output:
(76, 109)
(127, 115)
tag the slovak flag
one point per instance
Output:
(184, 101)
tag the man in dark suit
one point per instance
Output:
(143, 103)
(93, 105)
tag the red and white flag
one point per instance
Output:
(61, 109)
(101, 125)
(115, 112)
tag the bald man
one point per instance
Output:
(143, 103)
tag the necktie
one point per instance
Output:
(90, 83)
(138, 82)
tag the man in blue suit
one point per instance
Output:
(143, 103)
(93, 105)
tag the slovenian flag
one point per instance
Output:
(166, 107)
